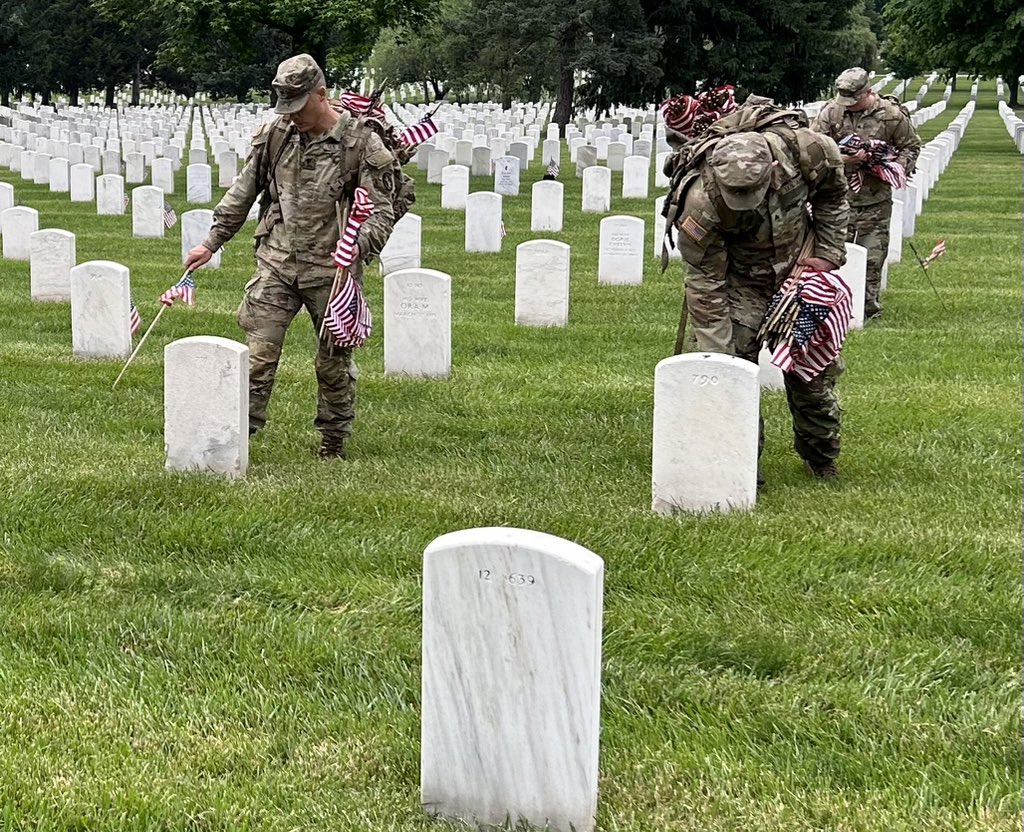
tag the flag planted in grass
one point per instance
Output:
(937, 252)
(170, 217)
(134, 319)
(184, 290)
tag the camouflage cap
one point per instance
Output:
(851, 84)
(742, 164)
(296, 78)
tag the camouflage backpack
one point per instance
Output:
(756, 115)
(405, 186)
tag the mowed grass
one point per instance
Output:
(183, 652)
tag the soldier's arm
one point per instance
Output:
(378, 174)
(823, 123)
(907, 143)
(233, 208)
(705, 263)
(828, 201)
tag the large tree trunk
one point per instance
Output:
(109, 102)
(1014, 93)
(5, 97)
(136, 85)
(952, 80)
(426, 91)
(566, 79)
(73, 95)
(439, 91)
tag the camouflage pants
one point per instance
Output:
(813, 404)
(272, 300)
(869, 227)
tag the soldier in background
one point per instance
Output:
(742, 224)
(305, 163)
(857, 110)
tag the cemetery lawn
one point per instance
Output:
(182, 652)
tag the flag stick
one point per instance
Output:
(163, 308)
(924, 268)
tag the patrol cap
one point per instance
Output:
(850, 85)
(296, 78)
(742, 165)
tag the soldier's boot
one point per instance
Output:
(823, 470)
(332, 446)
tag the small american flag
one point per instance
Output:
(553, 170)
(501, 229)
(819, 318)
(184, 290)
(419, 132)
(358, 105)
(348, 315)
(937, 252)
(134, 320)
(880, 162)
(170, 218)
(362, 207)
(124, 202)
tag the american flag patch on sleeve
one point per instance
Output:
(694, 230)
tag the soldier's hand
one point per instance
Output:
(819, 264)
(198, 256)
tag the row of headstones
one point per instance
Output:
(80, 181)
(1014, 125)
(919, 117)
(51, 252)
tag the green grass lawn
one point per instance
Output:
(185, 653)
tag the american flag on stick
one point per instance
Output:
(170, 217)
(348, 317)
(419, 132)
(184, 290)
(359, 105)
(134, 320)
(937, 252)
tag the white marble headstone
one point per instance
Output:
(635, 178)
(597, 190)
(854, 273)
(16, 226)
(547, 206)
(206, 405)
(227, 168)
(6, 196)
(198, 188)
(436, 162)
(895, 253)
(51, 258)
(110, 194)
(483, 222)
(135, 169)
(454, 187)
(481, 161)
(705, 433)
(620, 257)
(147, 211)
(511, 679)
(195, 226)
(506, 176)
(542, 283)
(417, 323)
(403, 248)
(100, 308)
(162, 173)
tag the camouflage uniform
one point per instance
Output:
(736, 257)
(871, 207)
(295, 240)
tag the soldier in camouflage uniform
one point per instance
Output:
(306, 162)
(741, 229)
(857, 109)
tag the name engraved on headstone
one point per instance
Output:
(621, 243)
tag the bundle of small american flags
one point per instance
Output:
(348, 316)
(692, 115)
(881, 162)
(806, 322)
(184, 290)
(418, 132)
(358, 105)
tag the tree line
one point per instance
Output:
(580, 53)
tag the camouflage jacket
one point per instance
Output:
(885, 119)
(735, 260)
(310, 178)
